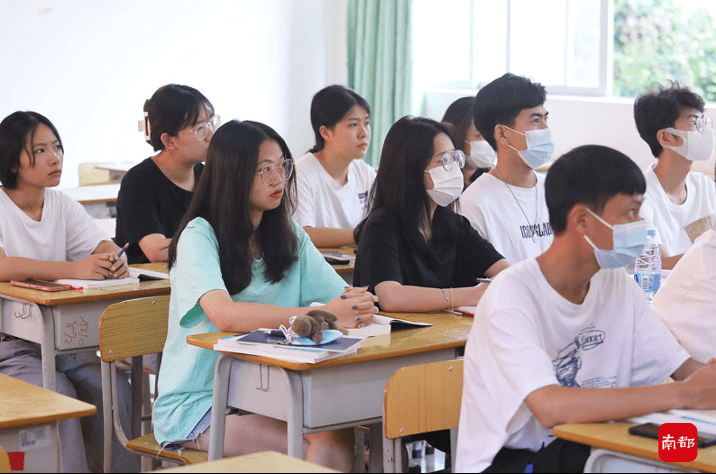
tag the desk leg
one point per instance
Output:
(218, 407)
(375, 458)
(56, 443)
(295, 414)
(48, 351)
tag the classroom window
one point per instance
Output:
(564, 44)
(658, 40)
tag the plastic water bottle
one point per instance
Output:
(647, 269)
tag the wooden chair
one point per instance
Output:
(4, 461)
(420, 399)
(89, 175)
(130, 329)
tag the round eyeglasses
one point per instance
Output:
(702, 122)
(449, 157)
(202, 129)
(268, 172)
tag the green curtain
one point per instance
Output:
(380, 63)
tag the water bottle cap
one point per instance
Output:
(651, 232)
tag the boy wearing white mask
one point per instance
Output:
(679, 203)
(567, 337)
(507, 205)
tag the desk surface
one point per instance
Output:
(614, 437)
(448, 331)
(95, 193)
(268, 461)
(23, 404)
(346, 268)
(46, 298)
(121, 167)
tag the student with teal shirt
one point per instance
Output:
(238, 263)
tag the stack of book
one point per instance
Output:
(262, 343)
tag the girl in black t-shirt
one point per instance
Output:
(155, 194)
(414, 252)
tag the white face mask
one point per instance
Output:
(697, 146)
(481, 155)
(540, 147)
(447, 185)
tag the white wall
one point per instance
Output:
(579, 121)
(89, 65)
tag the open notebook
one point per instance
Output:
(704, 420)
(384, 325)
(134, 274)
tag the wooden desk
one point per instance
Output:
(29, 418)
(268, 461)
(345, 271)
(116, 170)
(615, 438)
(100, 200)
(64, 322)
(334, 394)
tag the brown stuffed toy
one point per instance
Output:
(314, 322)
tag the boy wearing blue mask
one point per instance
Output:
(568, 337)
(679, 203)
(506, 206)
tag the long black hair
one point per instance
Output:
(17, 130)
(222, 198)
(399, 185)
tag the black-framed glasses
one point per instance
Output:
(202, 129)
(450, 157)
(268, 172)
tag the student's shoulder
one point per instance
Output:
(363, 169)
(198, 229)
(307, 162)
(144, 172)
(58, 200)
(382, 218)
(701, 181)
(480, 188)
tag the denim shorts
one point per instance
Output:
(200, 427)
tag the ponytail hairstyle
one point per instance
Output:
(329, 106)
(172, 108)
(222, 198)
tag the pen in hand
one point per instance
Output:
(120, 253)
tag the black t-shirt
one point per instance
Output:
(149, 203)
(454, 260)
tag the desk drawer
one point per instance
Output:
(23, 320)
(354, 392)
(77, 325)
(259, 389)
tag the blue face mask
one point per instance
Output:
(540, 147)
(629, 241)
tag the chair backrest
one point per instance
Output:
(423, 398)
(4, 461)
(133, 328)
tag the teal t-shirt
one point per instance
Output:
(187, 372)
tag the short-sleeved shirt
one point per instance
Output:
(527, 336)
(187, 372)
(149, 203)
(386, 254)
(65, 232)
(679, 225)
(687, 299)
(323, 202)
(515, 220)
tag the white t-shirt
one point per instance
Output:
(527, 336)
(65, 232)
(678, 225)
(323, 202)
(687, 300)
(496, 214)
